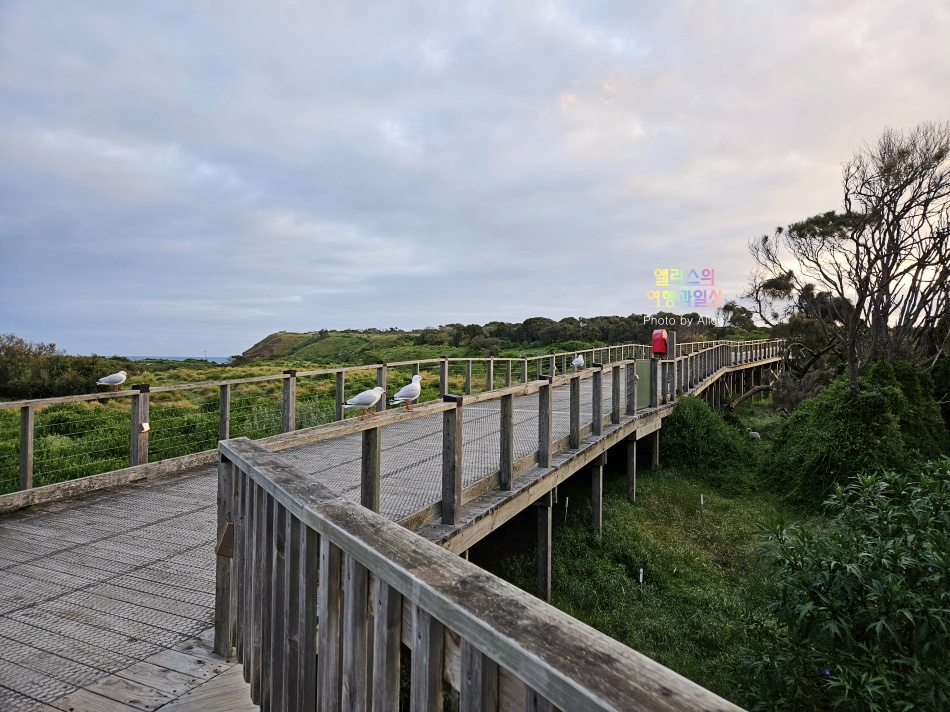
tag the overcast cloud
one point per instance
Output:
(185, 178)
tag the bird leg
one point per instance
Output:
(407, 406)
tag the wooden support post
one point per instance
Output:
(674, 381)
(545, 423)
(632, 468)
(490, 374)
(387, 637)
(468, 377)
(223, 612)
(597, 494)
(428, 635)
(524, 370)
(224, 412)
(655, 448)
(444, 374)
(552, 367)
(369, 468)
(288, 411)
(27, 416)
(381, 382)
(615, 395)
(479, 681)
(452, 461)
(508, 372)
(597, 401)
(544, 509)
(329, 642)
(506, 459)
(355, 636)
(654, 382)
(574, 436)
(340, 397)
(138, 450)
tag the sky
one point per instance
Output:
(179, 179)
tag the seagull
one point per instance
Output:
(408, 393)
(578, 362)
(365, 400)
(115, 379)
(753, 435)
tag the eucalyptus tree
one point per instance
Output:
(874, 276)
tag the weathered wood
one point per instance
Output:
(574, 435)
(288, 403)
(478, 690)
(370, 468)
(597, 496)
(224, 411)
(597, 401)
(340, 394)
(444, 375)
(544, 542)
(223, 579)
(508, 372)
(381, 378)
(490, 374)
(632, 379)
(307, 623)
(280, 625)
(330, 650)
(267, 574)
(545, 425)
(138, 445)
(452, 462)
(355, 672)
(468, 377)
(655, 448)
(256, 613)
(507, 446)
(387, 627)
(27, 416)
(427, 660)
(654, 383)
(292, 613)
(615, 395)
(632, 469)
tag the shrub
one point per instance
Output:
(862, 620)
(696, 437)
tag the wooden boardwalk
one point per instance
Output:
(106, 601)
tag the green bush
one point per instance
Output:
(697, 438)
(893, 422)
(862, 620)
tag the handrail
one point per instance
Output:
(675, 376)
(512, 650)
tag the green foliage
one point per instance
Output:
(696, 437)
(862, 621)
(891, 423)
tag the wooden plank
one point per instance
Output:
(226, 692)
(387, 625)
(545, 425)
(278, 609)
(427, 661)
(370, 468)
(506, 455)
(574, 437)
(292, 613)
(223, 580)
(266, 574)
(330, 653)
(597, 400)
(168, 681)
(452, 462)
(309, 596)
(355, 674)
(201, 666)
(479, 681)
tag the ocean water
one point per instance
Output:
(214, 359)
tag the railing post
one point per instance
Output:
(674, 381)
(508, 372)
(545, 423)
(490, 374)
(468, 377)
(288, 411)
(444, 375)
(654, 382)
(506, 458)
(524, 370)
(369, 468)
(553, 366)
(138, 449)
(27, 416)
(223, 611)
(415, 369)
(597, 400)
(381, 382)
(224, 412)
(615, 395)
(574, 438)
(340, 397)
(452, 461)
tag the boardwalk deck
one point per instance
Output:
(106, 600)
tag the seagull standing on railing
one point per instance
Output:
(578, 362)
(365, 400)
(408, 393)
(113, 379)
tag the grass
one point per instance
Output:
(701, 566)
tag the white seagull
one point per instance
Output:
(365, 400)
(408, 393)
(114, 379)
(578, 362)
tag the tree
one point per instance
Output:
(874, 277)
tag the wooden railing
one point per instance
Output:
(316, 595)
(693, 362)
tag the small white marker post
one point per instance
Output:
(702, 510)
(641, 577)
(566, 499)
